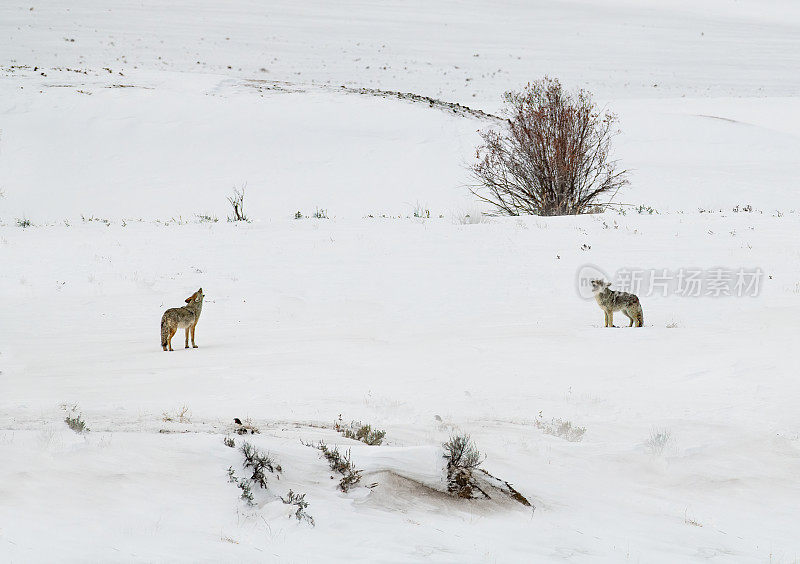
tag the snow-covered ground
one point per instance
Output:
(112, 144)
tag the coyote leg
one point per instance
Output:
(193, 328)
(187, 337)
(628, 315)
(171, 334)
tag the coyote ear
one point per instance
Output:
(191, 298)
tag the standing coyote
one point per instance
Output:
(611, 301)
(185, 317)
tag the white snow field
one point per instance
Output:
(122, 122)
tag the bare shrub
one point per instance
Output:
(229, 442)
(561, 428)
(237, 203)
(552, 157)
(181, 415)
(24, 222)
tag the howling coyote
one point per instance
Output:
(611, 301)
(185, 317)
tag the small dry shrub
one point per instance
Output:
(463, 458)
(658, 441)
(299, 501)
(74, 419)
(258, 462)
(340, 463)
(360, 432)
(551, 157)
(181, 415)
(561, 428)
(244, 485)
(237, 203)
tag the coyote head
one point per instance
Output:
(599, 285)
(198, 295)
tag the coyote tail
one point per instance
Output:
(164, 330)
(640, 317)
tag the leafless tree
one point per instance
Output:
(551, 157)
(237, 203)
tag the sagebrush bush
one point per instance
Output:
(461, 452)
(255, 461)
(76, 423)
(360, 432)
(463, 458)
(258, 462)
(244, 485)
(551, 157)
(658, 441)
(299, 501)
(340, 463)
(74, 419)
(561, 428)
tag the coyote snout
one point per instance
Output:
(611, 301)
(185, 317)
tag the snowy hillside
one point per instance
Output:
(125, 126)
